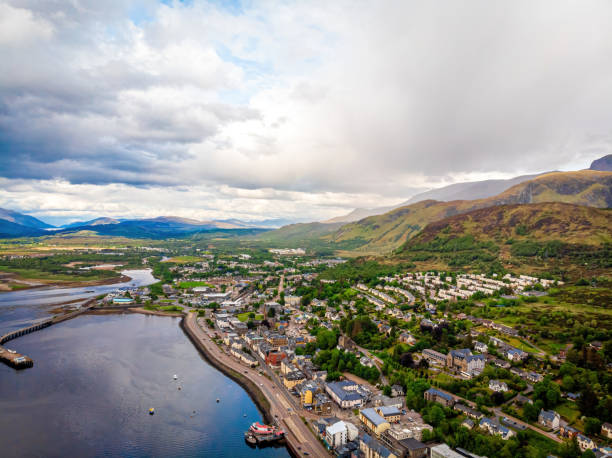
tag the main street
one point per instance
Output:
(282, 406)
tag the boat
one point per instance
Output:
(151, 411)
(175, 377)
(217, 400)
(258, 433)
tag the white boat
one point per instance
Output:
(175, 377)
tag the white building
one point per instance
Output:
(336, 434)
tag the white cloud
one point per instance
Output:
(331, 104)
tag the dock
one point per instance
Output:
(18, 361)
(14, 359)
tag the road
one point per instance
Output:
(282, 405)
(377, 362)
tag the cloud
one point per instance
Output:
(327, 98)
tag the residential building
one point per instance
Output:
(434, 357)
(468, 411)
(292, 379)
(606, 430)
(443, 451)
(496, 429)
(465, 362)
(549, 419)
(374, 421)
(498, 386)
(438, 396)
(481, 347)
(371, 448)
(413, 448)
(336, 434)
(584, 442)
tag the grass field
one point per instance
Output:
(245, 316)
(569, 411)
(193, 284)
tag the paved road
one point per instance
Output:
(281, 403)
(377, 362)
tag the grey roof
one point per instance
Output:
(373, 444)
(412, 444)
(440, 394)
(373, 416)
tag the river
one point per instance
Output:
(20, 308)
(95, 378)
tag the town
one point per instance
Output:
(402, 364)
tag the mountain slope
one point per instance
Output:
(470, 190)
(298, 233)
(603, 164)
(384, 233)
(9, 230)
(21, 219)
(94, 222)
(552, 237)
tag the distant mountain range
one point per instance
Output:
(14, 224)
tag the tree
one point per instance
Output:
(592, 425)
(407, 360)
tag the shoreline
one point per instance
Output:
(73, 284)
(251, 389)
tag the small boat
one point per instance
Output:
(179, 388)
(151, 411)
(244, 415)
(217, 400)
(175, 377)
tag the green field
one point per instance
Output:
(193, 284)
(245, 316)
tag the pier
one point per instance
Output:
(18, 361)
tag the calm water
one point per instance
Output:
(21, 308)
(93, 381)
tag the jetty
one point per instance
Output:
(18, 361)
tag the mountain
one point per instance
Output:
(390, 230)
(468, 190)
(603, 164)
(298, 233)
(357, 214)
(21, 219)
(385, 233)
(93, 222)
(538, 237)
(10, 230)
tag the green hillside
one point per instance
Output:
(385, 233)
(551, 237)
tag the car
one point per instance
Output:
(306, 453)
(246, 372)
(288, 409)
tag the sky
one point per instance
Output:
(301, 110)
